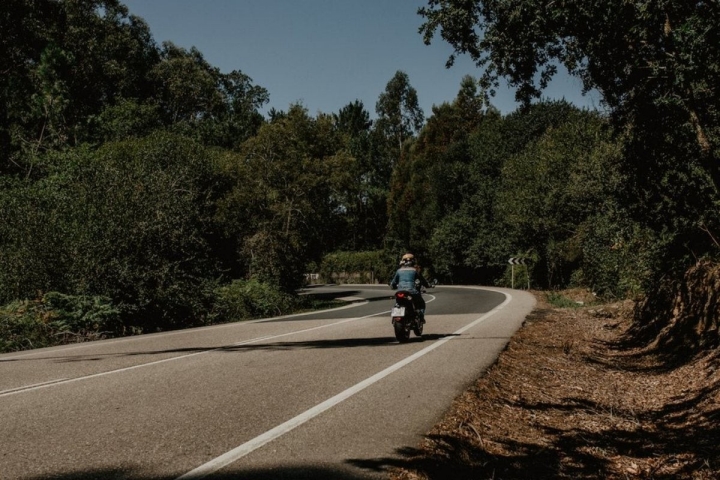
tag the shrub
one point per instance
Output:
(618, 256)
(357, 267)
(245, 299)
(55, 319)
(129, 221)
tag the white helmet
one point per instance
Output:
(408, 260)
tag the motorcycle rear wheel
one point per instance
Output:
(401, 333)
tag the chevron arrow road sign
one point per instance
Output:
(518, 261)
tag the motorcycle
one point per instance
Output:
(404, 317)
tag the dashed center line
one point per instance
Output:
(64, 381)
(248, 447)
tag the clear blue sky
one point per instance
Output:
(324, 53)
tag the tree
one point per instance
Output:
(399, 115)
(201, 102)
(130, 221)
(414, 202)
(471, 103)
(292, 175)
(657, 67)
(364, 207)
(102, 67)
(188, 84)
(127, 118)
(477, 238)
(238, 118)
(431, 180)
(552, 187)
(399, 119)
(353, 119)
(642, 56)
(64, 62)
(24, 27)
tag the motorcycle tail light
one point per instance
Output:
(401, 295)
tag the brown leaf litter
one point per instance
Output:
(571, 398)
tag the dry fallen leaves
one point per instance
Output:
(567, 400)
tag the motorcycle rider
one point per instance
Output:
(409, 278)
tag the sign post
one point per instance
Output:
(518, 261)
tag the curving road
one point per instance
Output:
(322, 395)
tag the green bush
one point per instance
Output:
(55, 319)
(245, 299)
(131, 221)
(618, 256)
(357, 267)
(83, 314)
(552, 186)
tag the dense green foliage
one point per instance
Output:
(540, 183)
(656, 65)
(54, 318)
(141, 189)
(357, 267)
(243, 299)
(127, 221)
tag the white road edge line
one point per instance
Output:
(62, 381)
(155, 336)
(25, 387)
(238, 452)
(52, 383)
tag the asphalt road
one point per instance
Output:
(322, 395)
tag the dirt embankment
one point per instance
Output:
(590, 393)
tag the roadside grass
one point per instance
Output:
(563, 300)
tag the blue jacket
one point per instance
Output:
(404, 279)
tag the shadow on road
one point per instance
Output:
(275, 346)
(341, 294)
(279, 473)
(335, 343)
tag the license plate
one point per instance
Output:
(398, 312)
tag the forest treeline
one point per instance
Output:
(142, 189)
